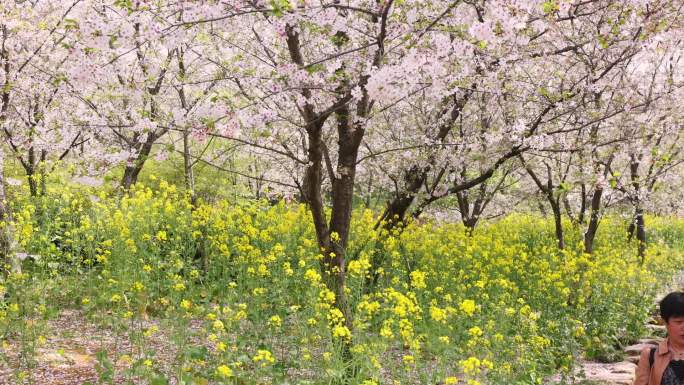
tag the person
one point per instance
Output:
(667, 367)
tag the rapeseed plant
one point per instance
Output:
(257, 308)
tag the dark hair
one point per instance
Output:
(672, 305)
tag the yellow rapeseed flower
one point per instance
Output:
(218, 325)
(475, 331)
(418, 279)
(468, 306)
(438, 314)
(312, 276)
(275, 321)
(341, 332)
(263, 356)
(224, 371)
(471, 365)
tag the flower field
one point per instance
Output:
(235, 291)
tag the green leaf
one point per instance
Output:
(603, 42)
(544, 92)
(125, 4)
(315, 68)
(549, 6)
(70, 24)
(58, 79)
(198, 353)
(159, 381)
(280, 6)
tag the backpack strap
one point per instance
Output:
(651, 357)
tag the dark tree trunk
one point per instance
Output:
(547, 189)
(641, 234)
(638, 209)
(132, 171)
(583, 204)
(43, 172)
(464, 209)
(472, 212)
(568, 210)
(631, 228)
(394, 217)
(594, 219)
(188, 174)
(470, 225)
(33, 183)
(542, 209)
(395, 211)
(332, 237)
(30, 169)
(369, 191)
(130, 176)
(189, 179)
(558, 222)
(7, 230)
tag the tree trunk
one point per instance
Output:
(188, 174)
(395, 211)
(43, 173)
(555, 204)
(470, 213)
(558, 222)
(553, 199)
(350, 135)
(132, 171)
(583, 204)
(641, 234)
(594, 219)
(33, 183)
(30, 169)
(6, 227)
(369, 191)
(130, 176)
(189, 179)
(464, 209)
(542, 209)
(635, 162)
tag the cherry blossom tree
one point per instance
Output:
(145, 64)
(35, 58)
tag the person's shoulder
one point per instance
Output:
(646, 351)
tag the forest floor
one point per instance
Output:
(70, 355)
